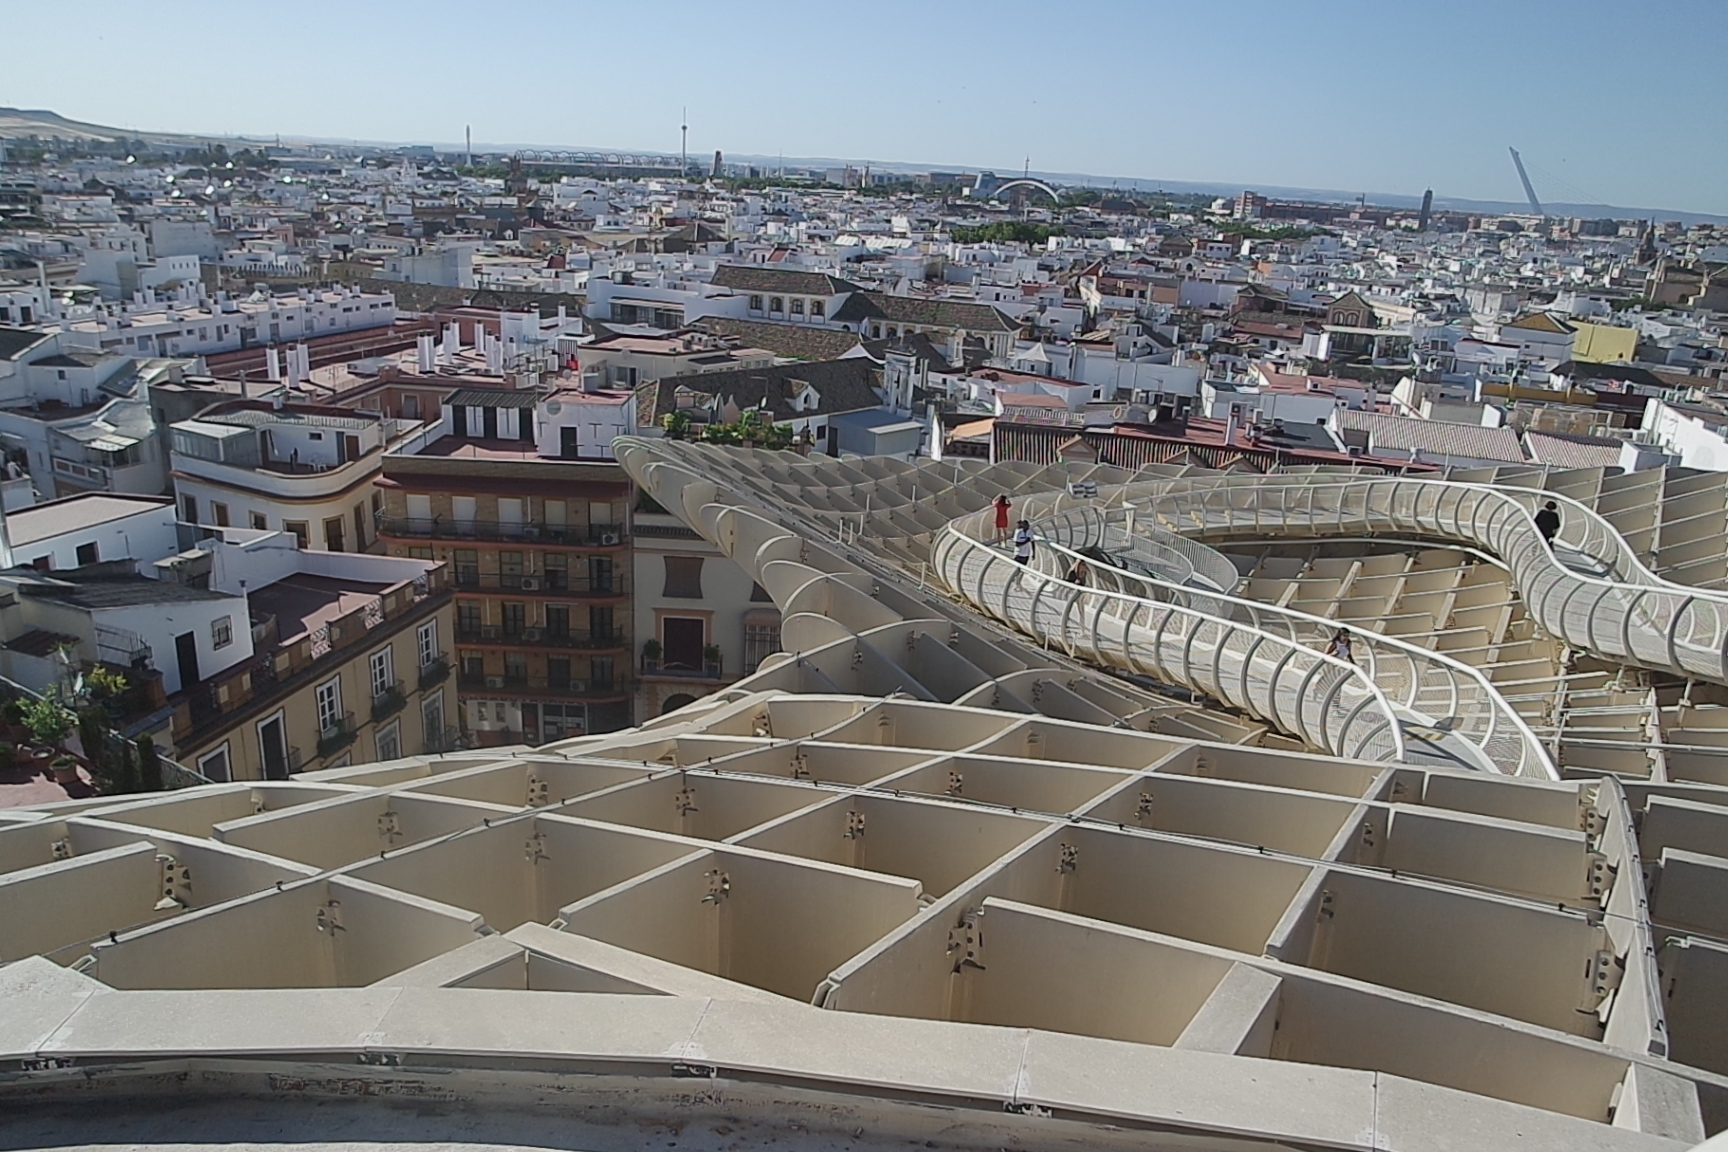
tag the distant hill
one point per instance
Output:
(20, 123)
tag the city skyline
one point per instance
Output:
(1115, 108)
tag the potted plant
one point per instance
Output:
(49, 720)
(65, 768)
(651, 653)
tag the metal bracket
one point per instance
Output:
(857, 656)
(685, 801)
(381, 1059)
(1367, 834)
(330, 916)
(854, 825)
(1034, 745)
(1202, 767)
(1326, 911)
(719, 886)
(1593, 823)
(1143, 809)
(800, 766)
(1598, 876)
(46, 1063)
(62, 849)
(176, 884)
(966, 943)
(956, 783)
(1069, 859)
(1035, 1110)
(539, 791)
(534, 848)
(390, 826)
(701, 1071)
(1602, 973)
(762, 724)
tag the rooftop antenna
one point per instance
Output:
(1529, 192)
(683, 143)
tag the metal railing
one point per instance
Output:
(445, 528)
(1326, 702)
(1438, 689)
(1626, 613)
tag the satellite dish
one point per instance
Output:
(553, 407)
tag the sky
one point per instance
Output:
(1616, 102)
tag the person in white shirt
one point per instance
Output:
(1023, 543)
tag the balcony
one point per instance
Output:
(561, 687)
(576, 638)
(443, 528)
(710, 670)
(558, 585)
(264, 675)
(388, 702)
(445, 740)
(434, 672)
(337, 735)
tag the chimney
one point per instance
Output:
(1230, 424)
(273, 364)
(423, 354)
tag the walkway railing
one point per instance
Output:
(1448, 694)
(1325, 702)
(1635, 617)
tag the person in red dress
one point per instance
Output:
(1002, 505)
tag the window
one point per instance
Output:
(473, 666)
(88, 554)
(467, 564)
(683, 578)
(432, 721)
(222, 632)
(516, 668)
(775, 304)
(314, 435)
(797, 307)
(468, 617)
(817, 308)
(556, 566)
(755, 303)
(761, 640)
(510, 569)
(333, 534)
(601, 670)
(219, 513)
(329, 699)
(389, 740)
(301, 532)
(426, 643)
(411, 406)
(214, 765)
(515, 618)
(259, 521)
(189, 509)
(383, 672)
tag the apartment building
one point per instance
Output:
(254, 658)
(704, 623)
(538, 550)
(305, 469)
(192, 323)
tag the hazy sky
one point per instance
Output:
(1617, 102)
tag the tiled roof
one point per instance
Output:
(14, 341)
(1540, 322)
(841, 385)
(1573, 451)
(798, 341)
(788, 281)
(1397, 435)
(924, 312)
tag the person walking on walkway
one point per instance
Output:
(1548, 522)
(1339, 646)
(1079, 574)
(1023, 543)
(1001, 505)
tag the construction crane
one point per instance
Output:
(1529, 192)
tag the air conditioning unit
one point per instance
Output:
(609, 537)
(530, 583)
(494, 681)
(531, 635)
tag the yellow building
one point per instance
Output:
(1603, 344)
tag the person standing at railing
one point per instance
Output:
(1548, 522)
(1079, 574)
(1002, 506)
(1339, 646)
(1023, 543)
